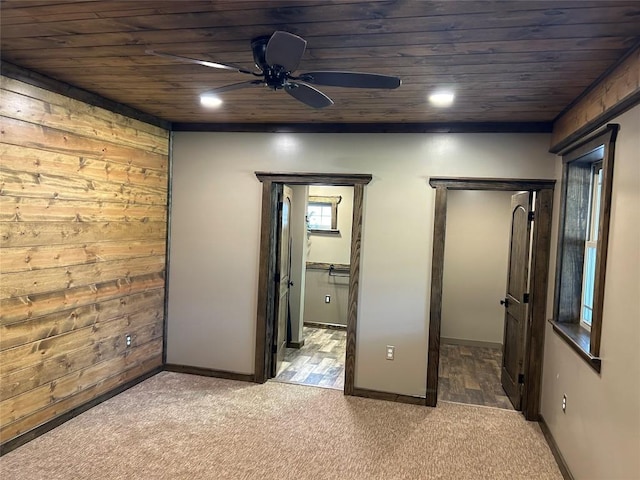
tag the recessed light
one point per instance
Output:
(210, 101)
(441, 99)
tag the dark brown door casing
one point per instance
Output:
(539, 270)
(516, 301)
(272, 188)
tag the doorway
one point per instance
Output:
(316, 327)
(531, 329)
(474, 281)
(269, 279)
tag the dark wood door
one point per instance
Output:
(516, 298)
(284, 276)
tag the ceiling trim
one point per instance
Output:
(618, 92)
(56, 86)
(598, 80)
(628, 103)
(441, 127)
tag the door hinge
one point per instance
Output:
(531, 215)
(525, 298)
(521, 378)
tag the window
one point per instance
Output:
(590, 247)
(582, 243)
(322, 214)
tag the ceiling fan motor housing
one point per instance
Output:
(275, 76)
(259, 48)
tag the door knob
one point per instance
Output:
(505, 302)
(290, 283)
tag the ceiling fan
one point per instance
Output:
(277, 57)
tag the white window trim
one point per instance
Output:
(592, 237)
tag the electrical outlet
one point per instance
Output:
(327, 299)
(127, 340)
(564, 404)
(391, 351)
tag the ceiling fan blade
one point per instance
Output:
(234, 86)
(308, 95)
(224, 66)
(351, 79)
(285, 49)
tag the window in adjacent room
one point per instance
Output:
(322, 214)
(582, 243)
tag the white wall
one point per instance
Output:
(476, 259)
(215, 236)
(599, 435)
(324, 248)
(319, 283)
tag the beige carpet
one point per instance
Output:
(176, 426)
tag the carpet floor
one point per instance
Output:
(177, 426)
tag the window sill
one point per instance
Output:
(579, 340)
(324, 232)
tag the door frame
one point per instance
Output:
(540, 251)
(272, 184)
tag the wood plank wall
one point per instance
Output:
(83, 218)
(613, 94)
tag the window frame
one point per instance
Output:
(333, 201)
(573, 229)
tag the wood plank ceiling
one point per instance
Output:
(510, 61)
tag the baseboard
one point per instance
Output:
(209, 372)
(470, 343)
(389, 397)
(562, 465)
(298, 345)
(65, 417)
(330, 326)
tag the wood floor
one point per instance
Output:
(467, 374)
(320, 362)
(471, 375)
